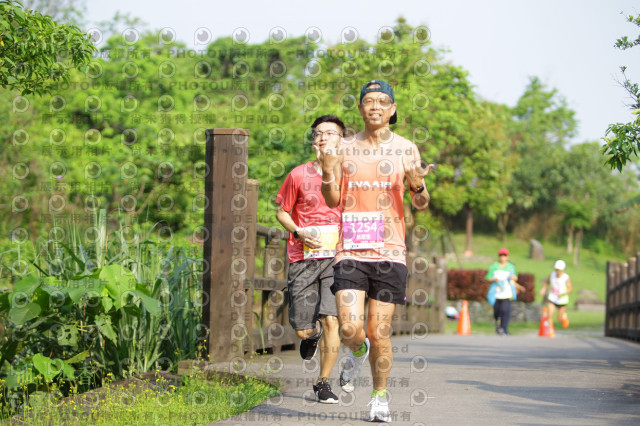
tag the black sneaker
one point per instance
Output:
(323, 392)
(309, 347)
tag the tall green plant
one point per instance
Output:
(123, 306)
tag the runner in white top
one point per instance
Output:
(560, 287)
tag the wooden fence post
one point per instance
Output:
(272, 300)
(630, 293)
(269, 309)
(225, 268)
(250, 257)
(607, 299)
(635, 300)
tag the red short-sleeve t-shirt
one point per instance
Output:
(301, 196)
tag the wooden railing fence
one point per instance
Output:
(623, 299)
(248, 310)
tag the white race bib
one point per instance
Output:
(328, 236)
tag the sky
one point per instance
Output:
(568, 44)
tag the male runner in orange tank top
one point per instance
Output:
(365, 176)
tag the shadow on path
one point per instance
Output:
(559, 402)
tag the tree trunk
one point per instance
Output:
(453, 247)
(570, 240)
(576, 251)
(503, 221)
(467, 250)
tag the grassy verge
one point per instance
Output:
(196, 401)
(590, 273)
(581, 324)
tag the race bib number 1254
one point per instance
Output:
(362, 230)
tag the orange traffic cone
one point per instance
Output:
(546, 325)
(565, 320)
(464, 324)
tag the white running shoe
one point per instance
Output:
(351, 369)
(379, 410)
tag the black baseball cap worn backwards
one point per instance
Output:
(384, 88)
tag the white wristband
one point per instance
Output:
(329, 181)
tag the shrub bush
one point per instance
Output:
(470, 284)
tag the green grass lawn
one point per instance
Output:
(197, 401)
(581, 324)
(589, 274)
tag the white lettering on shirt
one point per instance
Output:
(367, 184)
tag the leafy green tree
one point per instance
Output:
(623, 139)
(66, 11)
(35, 51)
(437, 109)
(127, 133)
(590, 196)
(579, 216)
(542, 125)
(482, 172)
(615, 219)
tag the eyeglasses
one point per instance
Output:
(503, 254)
(384, 102)
(317, 134)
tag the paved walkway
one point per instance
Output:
(471, 380)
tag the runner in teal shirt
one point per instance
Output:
(502, 275)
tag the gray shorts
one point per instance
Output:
(309, 283)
